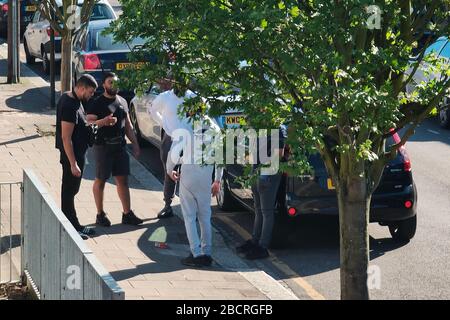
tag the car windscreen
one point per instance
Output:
(101, 42)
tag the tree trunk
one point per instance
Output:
(66, 62)
(354, 205)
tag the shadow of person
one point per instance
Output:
(164, 243)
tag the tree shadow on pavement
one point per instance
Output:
(34, 100)
(8, 242)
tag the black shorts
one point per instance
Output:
(109, 161)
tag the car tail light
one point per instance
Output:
(5, 7)
(292, 211)
(91, 62)
(49, 30)
(404, 153)
(408, 204)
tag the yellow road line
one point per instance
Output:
(281, 266)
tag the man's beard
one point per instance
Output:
(111, 92)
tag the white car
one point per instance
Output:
(36, 39)
(148, 130)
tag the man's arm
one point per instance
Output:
(174, 158)
(66, 135)
(129, 132)
(105, 122)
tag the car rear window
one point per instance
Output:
(101, 12)
(100, 42)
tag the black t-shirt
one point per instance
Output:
(103, 107)
(71, 110)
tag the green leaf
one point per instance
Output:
(295, 11)
(263, 24)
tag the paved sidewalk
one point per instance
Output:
(142, 269)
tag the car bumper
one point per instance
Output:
(47, 46)
(384, 207)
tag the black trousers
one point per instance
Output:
(69, 189)
(169, 184)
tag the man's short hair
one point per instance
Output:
(108, 75)
(86, 80)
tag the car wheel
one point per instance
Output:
(29, 58)
(224, 198)
(404, 230)
(444, 118)
(133, 117)
(45, 63)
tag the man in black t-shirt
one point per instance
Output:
(72, 141)
(111, 156)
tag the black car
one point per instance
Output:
(96, 53)
(27, 9)
(394, 203)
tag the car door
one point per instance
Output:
(30, 33)
(150, 128)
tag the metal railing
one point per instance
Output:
(55, 260)
(10, 211)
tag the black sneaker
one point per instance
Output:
(245, 247)
(166, 212)
(257, 252)
(82, 235)
(194, 262)
(102, 220)
(130, 218)
(85, 232)
(205, 260)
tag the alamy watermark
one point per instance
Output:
(73, 281)
(231, 146)
(374, 20)
(374, 277)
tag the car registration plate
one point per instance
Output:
(233, 120)
(130, 65)
(330, 184)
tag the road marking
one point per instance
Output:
(432, 131)
(281, 266)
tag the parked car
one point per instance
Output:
(27, 10)
(36, 39)
(148, 130)
(394, 203)
(96, 53)
(441, 47)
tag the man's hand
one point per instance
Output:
(109, 120)
(174, 176)
(76, 172)
(215, 188)
(136, 150)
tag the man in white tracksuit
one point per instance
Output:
(195, 185)
(164, 110)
